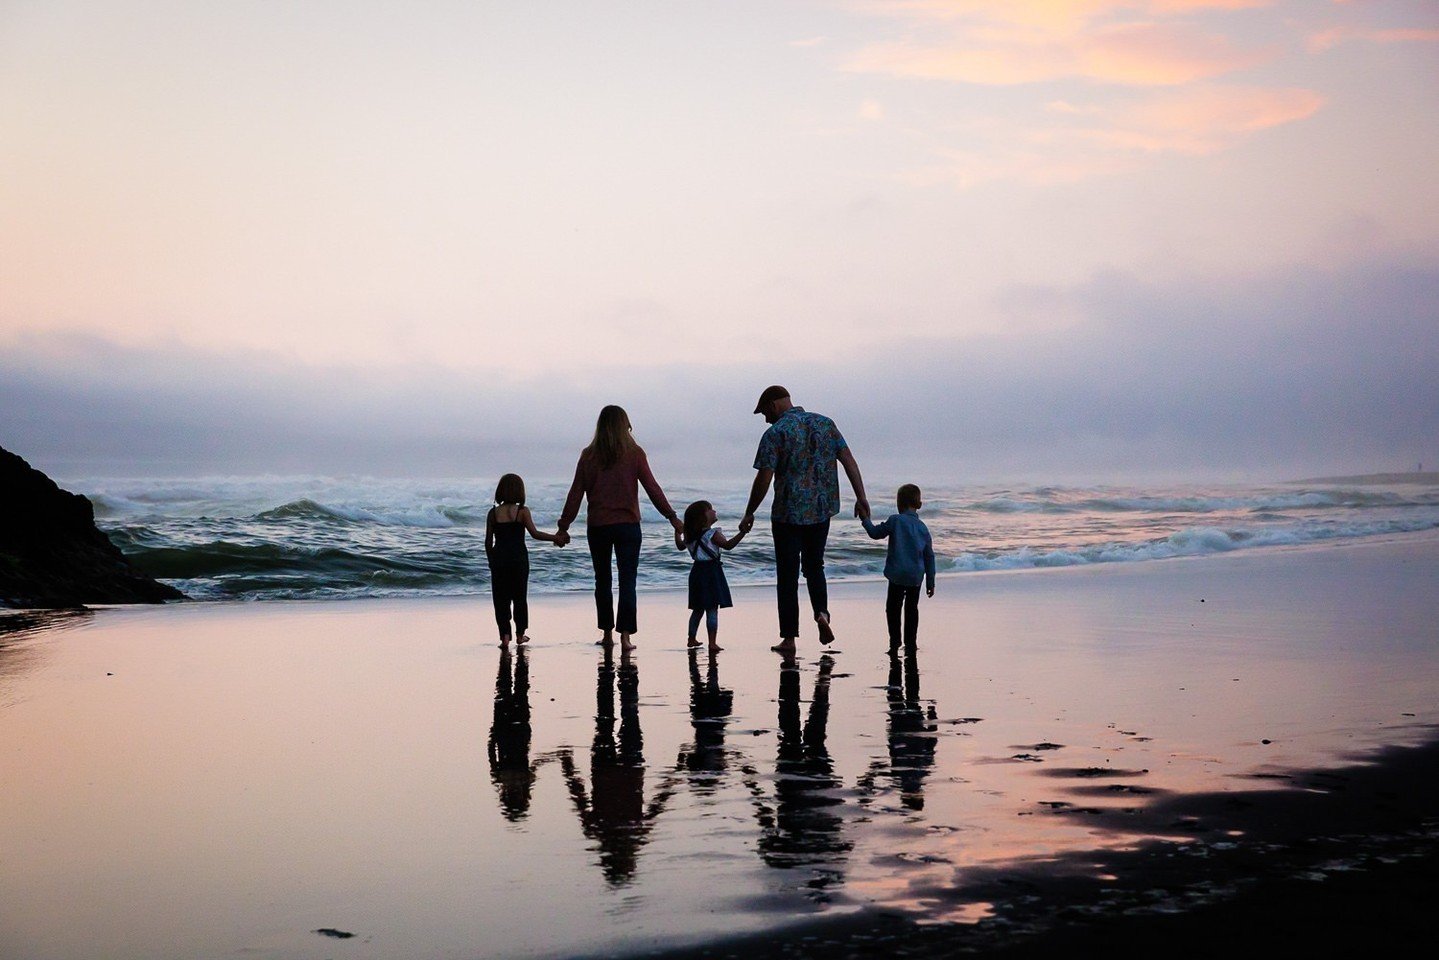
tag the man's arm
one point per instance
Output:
(762, 479)
(856, 482)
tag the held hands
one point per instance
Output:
(747, 524)
(861, 508)
(562, 538)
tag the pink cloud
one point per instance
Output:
(1327, 39)
(1052, 14)
(1032, 41)
(1150, 47)
(1081, 141)
(1202, 120)
(1157, 54)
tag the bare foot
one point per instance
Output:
(826, 635)
(625, 643)
(524, 638)
(714, 647)
(607, 640)
(504, 641)
(785, 645)
(692, 642)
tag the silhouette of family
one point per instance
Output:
(798, 456)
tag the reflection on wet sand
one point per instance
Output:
(912, 734)
(509, 747)
(710, 708)
(25, 622)
(16, 656)
(613, 812)
(802, 827)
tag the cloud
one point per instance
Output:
(871, 109)
(1053, 15)
(992, 42)
(1295, 372)
(1327, 39)
(1131, 54)
(1151, 68)
(1200, 120)
(1073, 141)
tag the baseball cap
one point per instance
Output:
(770, 395)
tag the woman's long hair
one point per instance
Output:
(695, 520)
(612, 441)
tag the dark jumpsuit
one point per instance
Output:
(509, 574)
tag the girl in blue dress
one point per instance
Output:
(708, 588)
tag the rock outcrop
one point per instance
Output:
(51, 553)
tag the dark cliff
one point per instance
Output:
(52, 554)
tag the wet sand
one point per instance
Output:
(1101, 760)
(1342, 863)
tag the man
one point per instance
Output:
(798, 454)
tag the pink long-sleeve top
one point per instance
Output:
(613, 492)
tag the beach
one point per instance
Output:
(1074, 752)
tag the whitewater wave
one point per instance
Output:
(428, 516)
(1263, 503)
(1189, 542)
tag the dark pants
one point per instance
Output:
(908, 597)
(509, 586)
(799, 546)
(623, 541)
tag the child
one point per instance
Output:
(910, 561)
(505, 527)
(708, 588)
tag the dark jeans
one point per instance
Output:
(908, 597)
(623, 541)
(509, 586)
(799, 546)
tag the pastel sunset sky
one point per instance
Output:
(996, 238)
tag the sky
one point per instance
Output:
(995, 239)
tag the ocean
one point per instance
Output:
(318, 538)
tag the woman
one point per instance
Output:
(609, 474)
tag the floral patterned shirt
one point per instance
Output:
(801, 448)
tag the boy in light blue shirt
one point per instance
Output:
(909, 563)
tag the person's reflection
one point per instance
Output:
(710, 707)
(510, 766)
(804, 829)
(612, 812)
(912, 732)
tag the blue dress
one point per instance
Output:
(708, 587)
